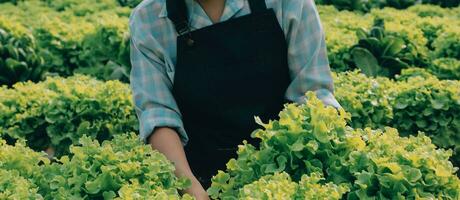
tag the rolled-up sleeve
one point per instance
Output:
(307, 54)
(153, 100)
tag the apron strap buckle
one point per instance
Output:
(182, 27)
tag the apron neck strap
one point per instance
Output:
(257, 5)
(177, 13)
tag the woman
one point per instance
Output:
(202, 69)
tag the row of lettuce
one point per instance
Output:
(57, 112)
(368, 5)
(417, 101)
(122, 168)
(40, 38)
(309, 153)
(389, 39)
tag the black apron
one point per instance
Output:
(226, 74)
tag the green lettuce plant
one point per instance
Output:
(20, 159)
(431, 106)
(401, 4)
(367, 5)
(10, 1)
(340, 28)
(13, 186)
(447, 44)
(107, 49)
(122, 167)
(314, 139)
(280, 186)
(408, 73)
(20, 59)
(428, 33)
(417, 101)
(19, 165)
(354, 5)
(130, 3)
(443, 3)
(88, 37)
(446, 68)
(81, 7)
(424, 10)
(61, 40)
(57, 112)
(366, 99)
(377, 54)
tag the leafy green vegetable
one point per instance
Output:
(122, 168)
(101, 170)
(372, 164)
(73, 37)
(20, 59)
(401, 4)
(443, 3)
(377, 54)
(446, 68)
(57, 112)
(357, 5)
(447, 44)
(92, 37)
(19, 166)
(366, 6)
(417, 101)
(13, 186)
(130, 3)
(428, 33)
(280, 186)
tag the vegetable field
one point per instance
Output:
(68, 126)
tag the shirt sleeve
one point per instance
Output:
(153, 100)
(307, 54)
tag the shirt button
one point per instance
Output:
(190, 42)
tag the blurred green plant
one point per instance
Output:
(81, 7)
(378, 54)
(129, 3)
(107, 49)
(58, 111)
(88, 37)
(353, 5)
(415, 101)
(401, 4)
(20, 59)
(443, 3)
(11, 1)
(447, 44)
(446, 68)
(368, 5)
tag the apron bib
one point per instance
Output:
(226, 74)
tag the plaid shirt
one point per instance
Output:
(153, 56)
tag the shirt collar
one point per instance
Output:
(163, 11)
(231, 8)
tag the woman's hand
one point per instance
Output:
(197, 190)
(167, 141)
